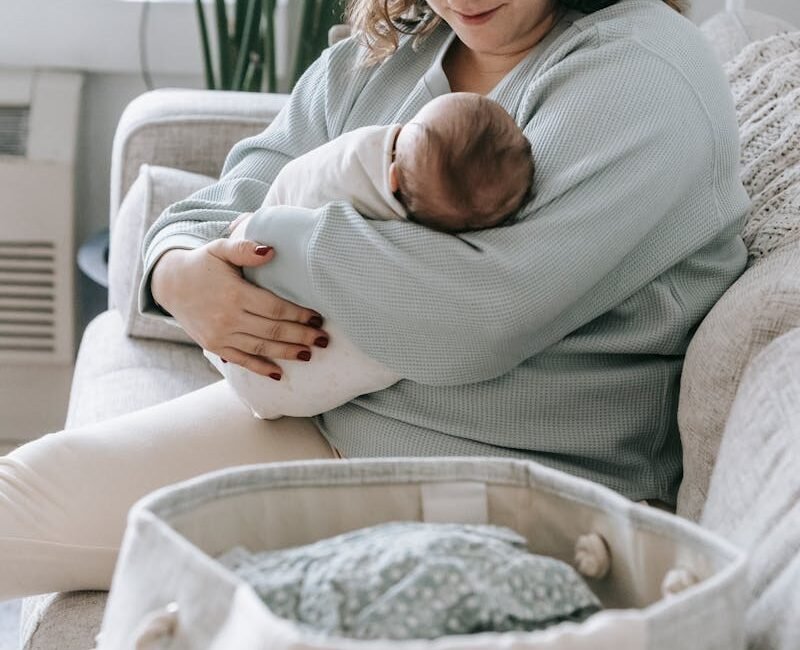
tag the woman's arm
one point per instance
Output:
(194, 274)
(625, 189)
(247, 174)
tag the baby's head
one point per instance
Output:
(461, 164)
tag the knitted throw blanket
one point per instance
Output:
(765, 80)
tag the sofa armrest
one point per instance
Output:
(169, 144)
(186, 129)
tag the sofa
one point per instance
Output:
(739, 414)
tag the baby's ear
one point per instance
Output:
(394, 181)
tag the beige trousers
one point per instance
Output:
(64, 498)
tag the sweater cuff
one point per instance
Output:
(288, 230)
(147, 305)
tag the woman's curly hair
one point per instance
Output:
(380, 23)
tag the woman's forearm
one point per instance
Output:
(246, 177)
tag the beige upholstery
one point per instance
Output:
(753, 500)
(763, 304)
(187, 129)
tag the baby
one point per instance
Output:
(460, 164)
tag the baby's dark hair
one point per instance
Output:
(470, 171)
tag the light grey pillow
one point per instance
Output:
(753, 500)
(729, 32)
(154, 189)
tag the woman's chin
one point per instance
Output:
(480, 42)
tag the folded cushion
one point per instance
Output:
(753, 499)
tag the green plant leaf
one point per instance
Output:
(207, 65)
(269, 45)
(249, 32)
(241, 15)
(224, 45)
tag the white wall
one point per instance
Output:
(101, 38)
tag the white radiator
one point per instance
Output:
(39, 114)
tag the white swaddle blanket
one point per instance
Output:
(353, 167)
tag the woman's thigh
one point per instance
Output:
(74, 488)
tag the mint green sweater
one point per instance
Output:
(559, 338)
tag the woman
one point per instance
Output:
(558, 338)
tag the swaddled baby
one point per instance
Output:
(460, 164)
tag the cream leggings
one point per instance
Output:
(64, 498)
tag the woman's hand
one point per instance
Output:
(203, 289)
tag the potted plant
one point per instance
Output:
(246, 42)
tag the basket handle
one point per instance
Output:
(156, 627)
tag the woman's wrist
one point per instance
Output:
(161, 276)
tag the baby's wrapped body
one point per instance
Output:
(460, 164)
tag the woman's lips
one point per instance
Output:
(476, 19)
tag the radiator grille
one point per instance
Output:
(14, 130)
(27, 297)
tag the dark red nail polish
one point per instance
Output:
(304, 355)
(275, 376)
(321, 342)
(223, 360)
(263, 250)
(315, 321)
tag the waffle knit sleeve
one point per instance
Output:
(247, 174)
(620, 138)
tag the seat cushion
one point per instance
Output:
(114, 374)
(753, 499)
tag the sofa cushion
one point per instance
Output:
(68, 621)
(763, 304)
(730, 32)
(754, 499)
(114, 374)
(765, 301)
(154, 189)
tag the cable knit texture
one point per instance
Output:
(765, 80)
(559, 338)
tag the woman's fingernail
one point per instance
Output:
(223, 360)
(275, 376)
(321, 342)
(263, 250)
(315, 321)
(304, 355)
